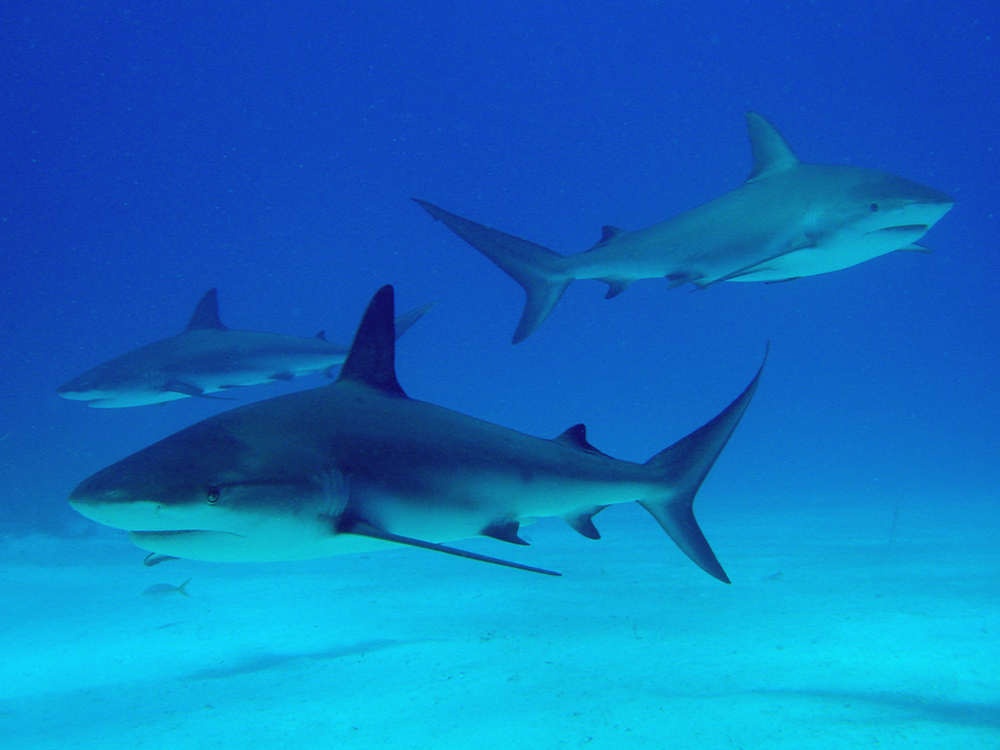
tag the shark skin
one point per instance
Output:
(788, 220)
(357, 466)
(207, 357)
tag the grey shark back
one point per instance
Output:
(208, 358)
(358, 465)
(788, 220)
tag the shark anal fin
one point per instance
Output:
(192, 390)
(582, 521)
(616, 287)
(360, 528)
(505, 532)
(576, 436)
(206, 314)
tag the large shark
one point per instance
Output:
(786, 221)
(207, 357)
(356, 465)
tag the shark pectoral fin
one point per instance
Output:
(192, 390)
(802, 243)
(405, 321)
(581, 521)
(915, 249)
(360, 528)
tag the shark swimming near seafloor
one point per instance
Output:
(207, 357)
(788, 220)
(357, 465)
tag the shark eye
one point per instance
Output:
(873, 207)
(212, 495)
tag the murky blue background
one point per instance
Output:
(149, 151)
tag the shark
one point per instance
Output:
(206, 358)
(357, 465)
(789, 219)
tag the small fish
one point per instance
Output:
(164, 589)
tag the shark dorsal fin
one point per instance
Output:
(372, 358)
(206, 314)
(771, 153)
(321, 336)
(576, 436)
(608, 234)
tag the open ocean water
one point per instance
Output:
(151, 151)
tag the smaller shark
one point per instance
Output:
(207, 357)
(357, 465)
(788, 220)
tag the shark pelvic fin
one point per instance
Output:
(582, 521)
(372, 358)
(206, 314)
(771, 153)
(361, 528)
(505, 532)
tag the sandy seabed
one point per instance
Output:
(857, 624)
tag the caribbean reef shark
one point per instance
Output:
(786, 221)
(207, 357)
(356, 465)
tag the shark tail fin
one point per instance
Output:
(683, 466)
(537, 269)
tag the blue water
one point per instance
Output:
(150, 151)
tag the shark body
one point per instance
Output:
(205, 358)
(357, 465)
(788, 220)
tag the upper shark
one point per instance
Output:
(788, 220)
(357, 465)
(207, 357)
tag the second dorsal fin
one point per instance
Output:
(576, 436)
